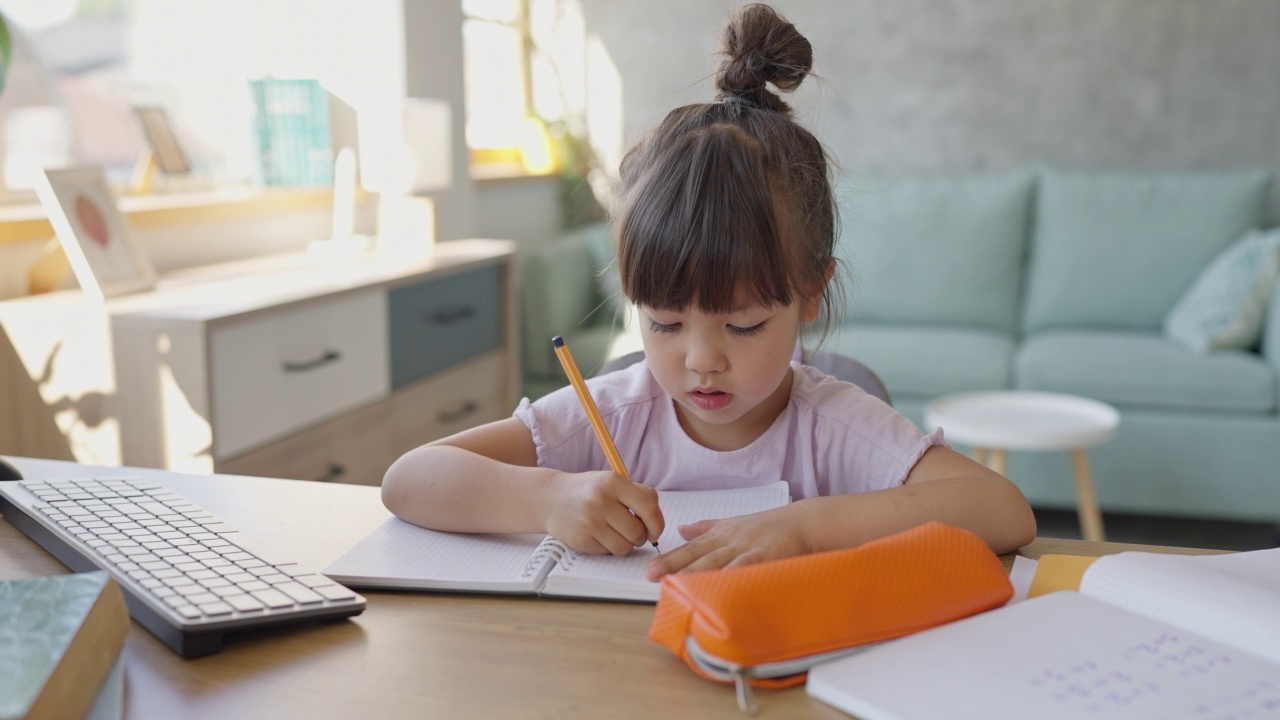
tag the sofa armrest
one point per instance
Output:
(1271, 329)
(558, 293)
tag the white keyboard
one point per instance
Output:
(186, 576)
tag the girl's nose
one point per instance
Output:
(705, 357)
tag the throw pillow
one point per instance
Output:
(1226, 306)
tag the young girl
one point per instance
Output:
(725, 234)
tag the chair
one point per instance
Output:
(836, 365)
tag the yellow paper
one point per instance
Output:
(1058, 572)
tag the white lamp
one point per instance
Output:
(406, 219)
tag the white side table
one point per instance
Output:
(996, 422)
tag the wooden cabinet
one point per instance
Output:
(279, 367)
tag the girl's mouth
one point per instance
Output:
(710, 399)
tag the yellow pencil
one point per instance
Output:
(589, 405)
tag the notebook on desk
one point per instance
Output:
(402, 556)
(1147, 636)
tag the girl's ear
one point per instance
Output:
(813, 302)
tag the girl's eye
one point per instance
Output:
(747, 331)
(658, 327)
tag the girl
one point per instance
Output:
(725, 233)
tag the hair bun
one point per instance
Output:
(760, 47)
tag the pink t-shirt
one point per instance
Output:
(832, 438)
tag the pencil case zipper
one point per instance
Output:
(741, 675)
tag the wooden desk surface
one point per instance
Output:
(415, 655)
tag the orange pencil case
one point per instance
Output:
(764, 625)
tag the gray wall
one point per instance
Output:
(925, 86)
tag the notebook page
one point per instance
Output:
(1232, 598)
(1061, 656)
(622, 578)
(401, 555)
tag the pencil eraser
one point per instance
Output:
(557, 341)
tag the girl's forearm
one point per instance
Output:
(448, 488)
(992, 508)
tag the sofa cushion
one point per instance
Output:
(1118, 250)
(1225, 307)
(1144, 369)
(944, 251)
(928, 360)
(559, 295)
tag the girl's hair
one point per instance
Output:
(730, 202)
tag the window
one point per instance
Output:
(81, 66)
(524, 82)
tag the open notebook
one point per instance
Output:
(1147, 635)
(400, 555)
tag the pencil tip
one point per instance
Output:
(557, 341)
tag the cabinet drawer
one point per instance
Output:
(441, 322)
(275, 374)
(353, 448)
(449, 402)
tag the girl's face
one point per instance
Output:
(728, 373)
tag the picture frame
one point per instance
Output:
(95, 235)
(165, 146)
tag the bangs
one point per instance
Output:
(701, 226)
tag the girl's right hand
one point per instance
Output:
(601, 512)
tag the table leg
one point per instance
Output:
(980, 454)
(1087, 501)
(998, 460)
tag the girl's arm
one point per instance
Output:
(486, 480)
(944, 486)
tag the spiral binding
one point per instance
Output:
(548, 548)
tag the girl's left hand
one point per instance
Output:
(735, 541)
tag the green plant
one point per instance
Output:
(6, 51)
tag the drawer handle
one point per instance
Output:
(328, 357)
(453, 416)
(335, 471)
(450, 316)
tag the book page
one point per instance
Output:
(401, 555)
(623, 578)
(1232, 598)
(1061, 656)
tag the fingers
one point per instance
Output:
(642, 502)
(696, 530)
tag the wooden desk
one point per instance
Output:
(413, 655)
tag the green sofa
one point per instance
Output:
(1046, 280)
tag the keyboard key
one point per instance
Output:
(243, 603)
(335, 592)
(299, 593)
(188, 611)
(273, 598)
(313, 580)
(215, 608)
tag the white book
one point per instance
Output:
(1147, 636)
(402, 556)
